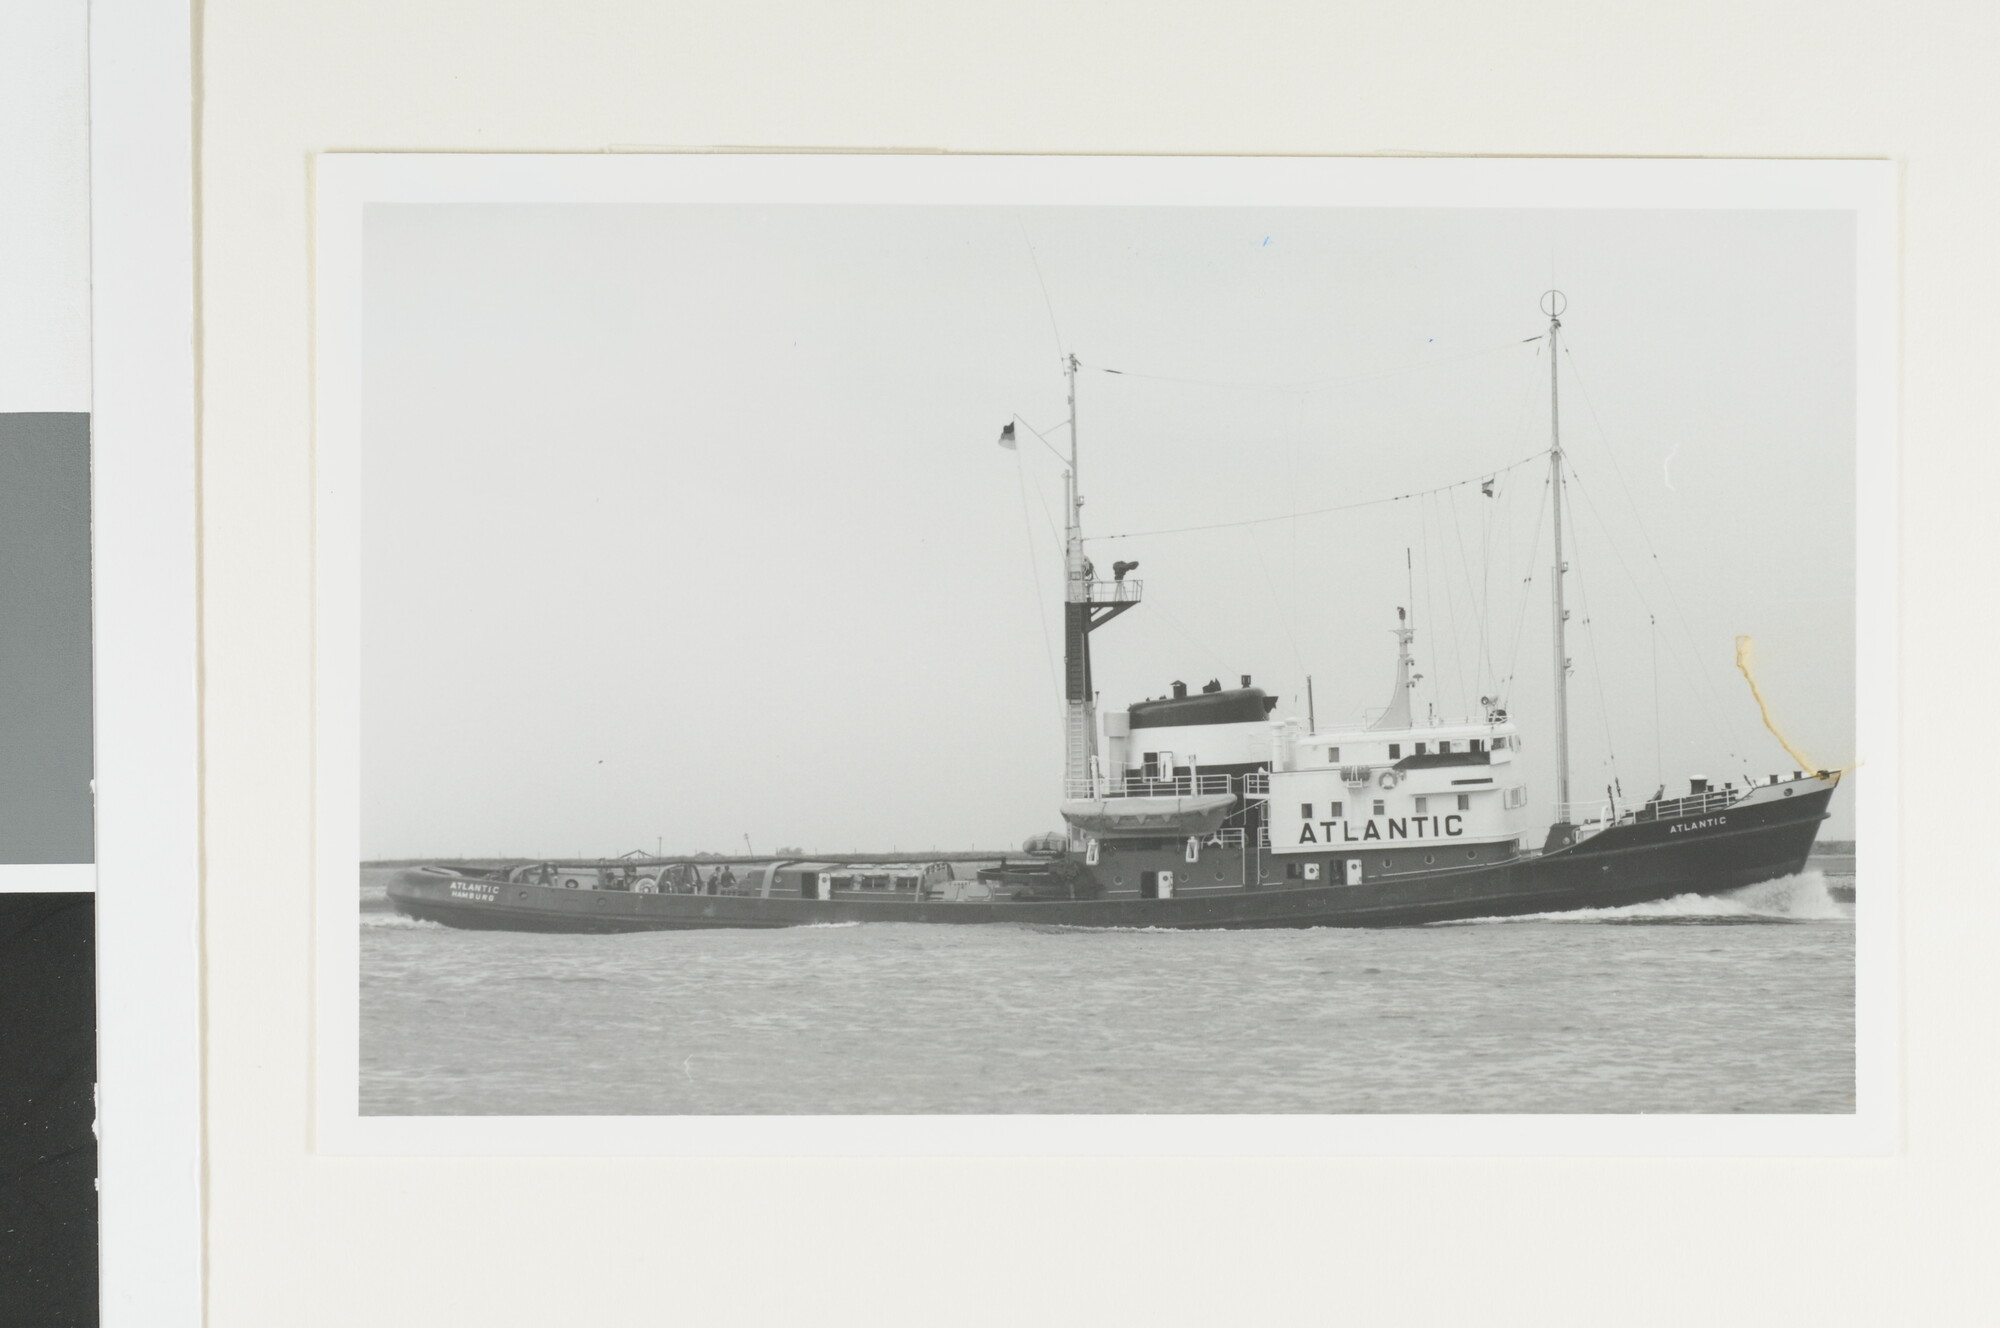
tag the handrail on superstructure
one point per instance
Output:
(1177, 786)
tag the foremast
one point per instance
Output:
(1088, 604)
(1079, 701)
(1553, 305)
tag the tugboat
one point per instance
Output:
(1200, 810)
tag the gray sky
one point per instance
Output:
(688, 522)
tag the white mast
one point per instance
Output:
(1080, 721)
(1074, 530)
(1553, 305)
(1088, 604)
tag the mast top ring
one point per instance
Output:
(1553, 303)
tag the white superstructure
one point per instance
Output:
(1444, 785)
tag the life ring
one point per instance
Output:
(1389, 779)
(645, 886)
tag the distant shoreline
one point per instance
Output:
(717, 859)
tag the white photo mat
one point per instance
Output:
(99, 275)
(145, 619)
(344, 186)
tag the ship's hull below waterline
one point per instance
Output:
(1627, 864)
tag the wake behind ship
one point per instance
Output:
(1201, 809)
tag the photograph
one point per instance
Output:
(1353, 658)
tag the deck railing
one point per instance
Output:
(1695, 804)
(1596, 815)
(1177, 786)
(1116, 592)
(1586, 815)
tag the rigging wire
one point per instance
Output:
(1292, 566)
(1430, 602)
(1041, 606)
(1486, 523)
(1042, 501)
(1531, 383)
(1314, 384)
(1481, 477)
(1047, 303)
(1527, 588)
(1590, 635)
(1471, 598)
(1638, 591)
(1284, 619)
(1451, 615)
(1153, 603)
(1707, 677)
(1410, 584)
(1659, 735)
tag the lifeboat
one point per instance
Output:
(1108, 818)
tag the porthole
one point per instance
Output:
(1429, 858)
(521, 894)
(1388, 862)
(1472, 853)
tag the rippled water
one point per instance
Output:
(1738, 1003)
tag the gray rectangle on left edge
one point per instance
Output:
(45, 670)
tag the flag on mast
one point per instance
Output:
(1007, 436)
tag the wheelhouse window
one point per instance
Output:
(1422, 748)
(1423, 803)
(1380, 808)
(1465, 802)
(1445, 747)
(1477, 745)
(1333, 811)
(1332, 754)
(1306, 811)
(1395, 751)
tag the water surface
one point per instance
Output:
(1741, 1003)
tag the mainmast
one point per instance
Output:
(1553, 305)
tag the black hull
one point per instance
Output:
(1629, 863)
